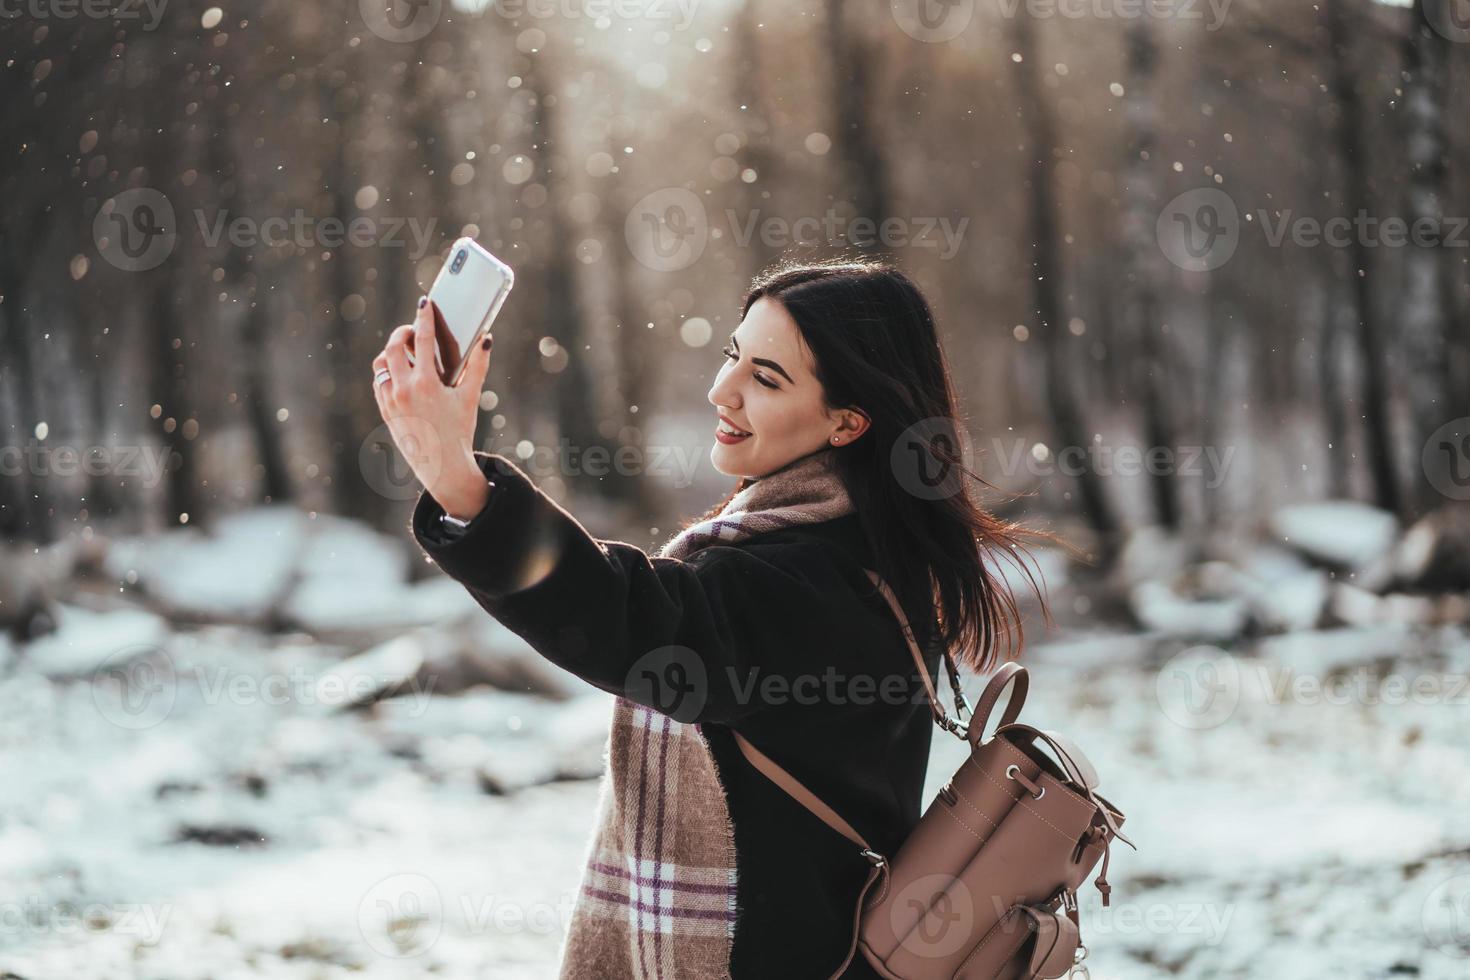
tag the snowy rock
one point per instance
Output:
(1151, 553)
(85, 641)
(30, 578)
(1434, 554)
(1359, 607)
(238, 572)
(1158, 607)
(361, 678)
(1339, 533)
(484, 712)
(342, 607)
(1319, 652)
(1284, 592)
(506, 742)
(1295, 603)
(480, 650)
(343, 549)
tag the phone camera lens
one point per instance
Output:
(459, 260)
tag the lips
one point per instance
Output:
(738, 432)
(726, 437)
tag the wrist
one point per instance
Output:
(464, 494)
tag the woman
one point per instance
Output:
(836, 411)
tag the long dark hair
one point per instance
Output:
(876, 348)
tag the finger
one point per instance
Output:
(381, 397)
(423, 337)
(448, 342)
(479, 366)
(397, 355)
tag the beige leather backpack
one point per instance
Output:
(985, 887)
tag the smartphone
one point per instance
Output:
(466, 296)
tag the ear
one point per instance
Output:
(853, 423)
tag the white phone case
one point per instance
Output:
(469, 298)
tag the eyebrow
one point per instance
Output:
(765, 361)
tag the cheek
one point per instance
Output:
(779, 415)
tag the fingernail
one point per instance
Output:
(485, 344)
(422, 301)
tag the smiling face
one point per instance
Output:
(768, 389)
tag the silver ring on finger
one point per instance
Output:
(381, 376)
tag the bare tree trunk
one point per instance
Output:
(633, 354)
(1426, 301)
(1146, 341)
(756, 153)
(858, 146)
(349, 407)
(169, 342)
(1060, 395)
(576, 398)
(1353, 156)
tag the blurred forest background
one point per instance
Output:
(246, 730)
(1048, 147)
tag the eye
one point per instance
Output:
(730, 353)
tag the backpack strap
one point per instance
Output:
(812, 802)
(830, 817)
(961, 706)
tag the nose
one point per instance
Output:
(722, 393)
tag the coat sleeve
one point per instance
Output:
(719, 637)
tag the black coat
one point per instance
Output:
(851, 722)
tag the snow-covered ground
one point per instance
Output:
(181, 802)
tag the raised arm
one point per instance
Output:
(706, 639)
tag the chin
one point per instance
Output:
(719, 457)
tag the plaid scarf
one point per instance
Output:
(657, 898)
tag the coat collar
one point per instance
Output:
(845, 533)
